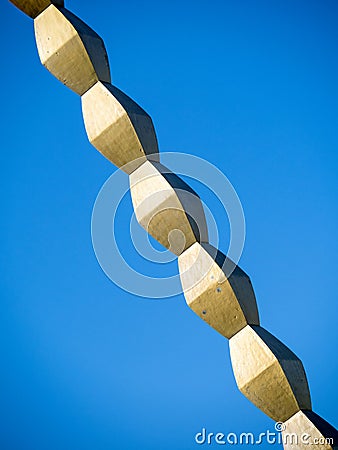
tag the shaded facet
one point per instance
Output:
(167, 207)
(307, 430)
(120, 129)
(268, 373)
(217, 290)
(35, 7)
(70, 50)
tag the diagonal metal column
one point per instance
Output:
(266, 371)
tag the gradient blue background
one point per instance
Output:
(250, 86)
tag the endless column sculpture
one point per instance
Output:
(266, 371)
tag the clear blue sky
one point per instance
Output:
(250, 86)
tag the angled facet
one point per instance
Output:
(70, 50)
(167, 207)
(35, 7)
(120, 129)
(307, 430)
(268, 373)
(217, 290)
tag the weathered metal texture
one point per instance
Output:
(70, 50)
(268, 373)
(167, 207)
(217, 290)
(35, 7)
(307, 430)
(120, 129)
